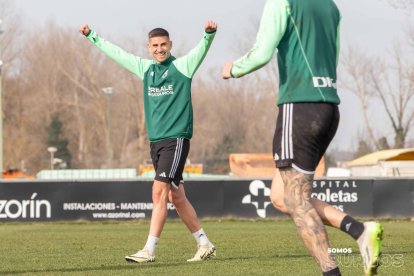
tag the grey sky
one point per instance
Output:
(368, 24)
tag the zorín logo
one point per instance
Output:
(322, 82)
(24, 209)
(259, 197)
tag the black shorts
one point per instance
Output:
(303, 133)
(168, 157)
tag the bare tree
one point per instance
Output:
(119, 117)
(61, 72)
(371, 79)
(397, 95)
(15, 132)
(356, 64)
(406, 5)
(235, 115)
(232, 116)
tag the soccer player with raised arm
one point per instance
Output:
(169, 123)
(305, 34)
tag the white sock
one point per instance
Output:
(152, 242)
(201, 237)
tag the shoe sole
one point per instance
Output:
(376, 255)
(134, 260)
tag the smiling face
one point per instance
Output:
(160, 47)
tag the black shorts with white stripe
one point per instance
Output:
(303, 133)
(168, 157)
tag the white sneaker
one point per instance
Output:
(370, 246)
(204, 252)
(142, 256)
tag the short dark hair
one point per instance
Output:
(158, 32)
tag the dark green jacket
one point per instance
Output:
(167, 87)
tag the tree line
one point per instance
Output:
(55, 93)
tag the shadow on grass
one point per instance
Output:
(131, 266)
(96, 268)
(286, 256)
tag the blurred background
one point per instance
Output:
(67, 106)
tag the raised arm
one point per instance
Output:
(132, 63)
(272, 28)
(189, 63)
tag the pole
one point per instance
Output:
(52, 151)
(51, 160)
(109, 150)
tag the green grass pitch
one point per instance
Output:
(244, 247)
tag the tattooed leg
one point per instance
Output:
(330, 215)
(298, 187)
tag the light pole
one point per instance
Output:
(1, 109)
(52, 151)
(108, 91)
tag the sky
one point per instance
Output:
(371, 25)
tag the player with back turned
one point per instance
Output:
(305, 34)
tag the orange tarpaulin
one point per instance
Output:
(15, 174)
(188, 168)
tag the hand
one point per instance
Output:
(84, 29)
(210, 26)
(227, 70)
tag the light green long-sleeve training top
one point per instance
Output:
(306, 35)
(167, 86)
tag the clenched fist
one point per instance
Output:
(84, 29)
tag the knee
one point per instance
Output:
(177, 199)
(159, 195)
(279, 203)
